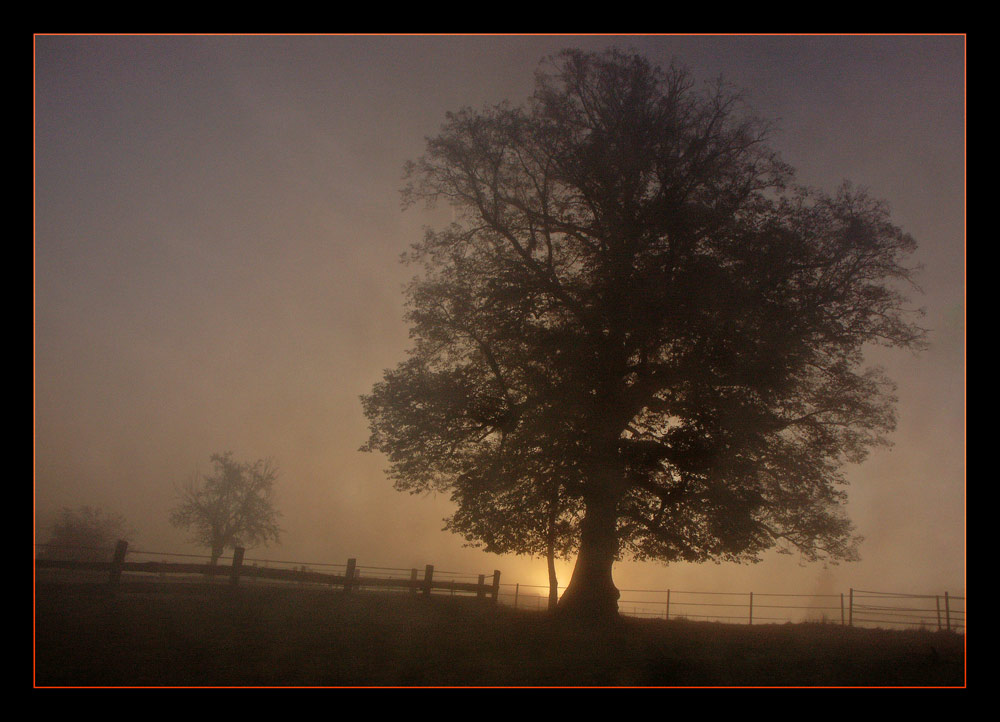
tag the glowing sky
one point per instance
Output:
(217, 234)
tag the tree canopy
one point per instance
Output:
(86, 534)
(638, 313)
(233, 506)
(521, 516)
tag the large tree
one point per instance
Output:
(233, 506)
(637, 306)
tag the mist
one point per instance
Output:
(217, 233)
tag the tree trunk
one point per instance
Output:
(592, 593)
(553, 580)
(216, 553)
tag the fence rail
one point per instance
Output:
(855, 608)
(350, 579)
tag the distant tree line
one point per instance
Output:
(86, 533)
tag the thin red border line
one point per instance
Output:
(964, 306)
(34, 359)
(475, 686)
(510, 35)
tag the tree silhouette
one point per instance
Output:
(511, 514)
(86, 534)
(635, 303)
(233, 506)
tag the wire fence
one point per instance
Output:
(923, 611)
(856, 607)
(853, 608)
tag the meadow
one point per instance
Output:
(199, 635)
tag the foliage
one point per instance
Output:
(86, 534)
(638, 311)
(233, 506)
(518, 518)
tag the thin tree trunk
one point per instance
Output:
(550, 556)
(216, 553)
(553, 580)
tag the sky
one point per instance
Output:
(218, 229)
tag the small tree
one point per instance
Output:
(233, 506)
(86, 534)
(513, 515)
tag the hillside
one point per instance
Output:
(196, 635)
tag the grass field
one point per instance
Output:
(196, 635)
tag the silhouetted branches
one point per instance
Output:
(233, 506)
(639, 315)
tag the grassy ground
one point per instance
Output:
(195, 635)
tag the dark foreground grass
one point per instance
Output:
(195, 635)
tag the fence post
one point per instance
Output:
(481, 587)
(428, 579)
(352, 565)
(668, 604)
(842, 620)
(517, 588)
(413, 581)
(496, 585)
(118, 562)
(947, 613)
(850, 610)
(234, 575)
(751, 607)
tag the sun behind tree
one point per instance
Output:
(639, 312)
(233, 506)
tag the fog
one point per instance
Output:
(217, 234)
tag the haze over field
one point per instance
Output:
(218, 228)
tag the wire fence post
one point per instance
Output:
(496, 585)
(751, 607)
(842, 609)
(947, 613)
(234, 574)
(480, 587)
(850, 611)
(517, 588)
(352, 565)
(118, 563)
(428, 579)
(667, 616)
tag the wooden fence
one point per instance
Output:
(350, 580)
(855, 608)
